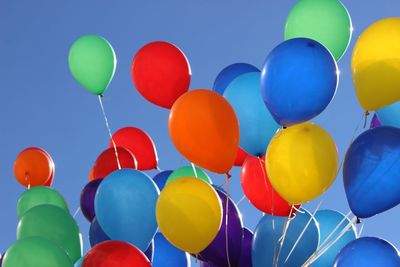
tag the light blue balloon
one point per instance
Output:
(125, 206)
(166, 255)
(268, 233)
(390, 115)
(257, 126)
(328, 220)
(368, 252)
(79, 262)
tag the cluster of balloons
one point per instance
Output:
(47, 234)
(255, 118)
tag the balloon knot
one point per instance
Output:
(284, 127)
(228, 175)
(358, 221)
(101, 95)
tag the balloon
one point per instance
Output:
(107, 162)
(327, 22)
(298, 80)
(33, 167)
(39, 195)
(257, 126)
(374, 64)
(53, 168)
(55, 224)
(92, 62)
(91, 175)
(96, 234)
(115, 253)
(161, 73)
(188, 171)
(216, 252)
(150, 251)
(375, 122)
(245, 254)
(166, 255)
(125, 206)
(34, 252)
(241, 156)
(189, 214)
(368, 252)
(371, 171)
(267, 236)
(258, 189)
(302, 162)
(204, 129)
(79, 262)
(161, 178)
(328, 221)
(229, 73)
(390, 115)
(140, 144)
(87, 199)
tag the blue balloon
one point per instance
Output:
(390, 115)
(166, 255)
(371, 171)
(257, 125)
(368, 252)
(150, 251)
(298, 80)
(266, 240)
(161, 178)
(125, 205)
(328, 220)
(96, 234)
(79, 262)
(228, 74)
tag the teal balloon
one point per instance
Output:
(39, 195)
(188, 171)
(125, 206)
(266, 240)
(257, 126)
(328, 220)
(55, 224)
(390, 115)
(36, 252)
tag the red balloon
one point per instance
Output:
(258, 189)
(161, 73)
(140, 144)
(115, 253)
(106, 163)
(240, 157)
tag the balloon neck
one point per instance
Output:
(366, 117)
(358, 221)
(284, 127)
(228, 175)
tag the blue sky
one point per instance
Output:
(42, 105)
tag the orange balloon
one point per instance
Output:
(204, 128)
(33, 167)
(91, 174)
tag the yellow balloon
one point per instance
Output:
(189, 214)
(376, 64)
(302, 162)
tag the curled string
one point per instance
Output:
(110, 134)
(226, 218)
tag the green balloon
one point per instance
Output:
(325, 21)
(92, 62)
(55, 224)
(187, 171)
(36, 252)
(39, 195)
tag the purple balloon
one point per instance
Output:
(245, 254)
(205, 264)
(375, 122)
(87, 199)
(216, 252)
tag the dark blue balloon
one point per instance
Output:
(298, 80)
(368, 252)
(150, 251)
(228, 74)
(166, 255)
(161, 178)
(371, 171)
(96, 234)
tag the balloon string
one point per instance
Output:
(194, 170)
(226, 218)
(321, 251)
(77, 211)
(281, 240)
(366, 118)
(110, 134)
(28, 180)
(240, 200)
(360, 231)
(303, 232)
(334, 230)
